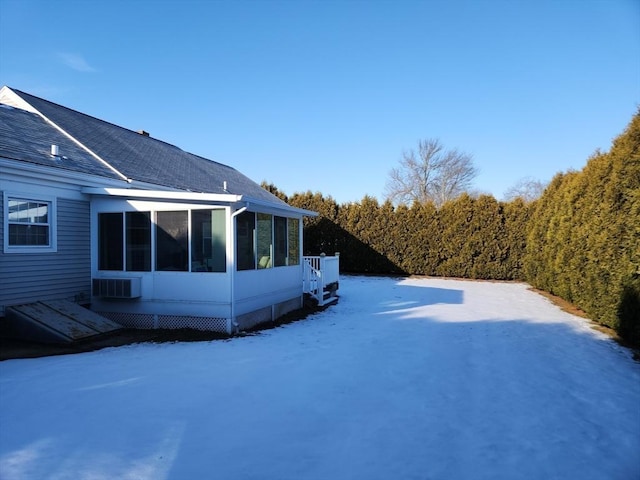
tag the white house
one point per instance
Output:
(148, 235)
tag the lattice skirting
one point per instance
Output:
(130, 320)
(150, 321)
(211, 324)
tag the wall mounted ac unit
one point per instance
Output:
(116, 287)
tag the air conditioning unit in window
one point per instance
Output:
(116, 287)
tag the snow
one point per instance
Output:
(415, 378)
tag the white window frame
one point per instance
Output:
(52, 214)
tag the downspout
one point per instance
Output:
(234, 264)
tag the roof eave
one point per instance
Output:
(284, 207)
(164, 194)
(244, 200)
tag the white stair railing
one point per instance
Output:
(321, 277)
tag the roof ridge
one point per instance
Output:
(209, 160)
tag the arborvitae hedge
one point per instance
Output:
(517, 219)
(467, 237)
(584, 241)
(580, 240)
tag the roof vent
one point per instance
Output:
(143, 132)
(55, 151)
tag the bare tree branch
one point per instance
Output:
(527, 188)
(430, 174)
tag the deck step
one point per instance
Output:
(329, 300)
(55, 321)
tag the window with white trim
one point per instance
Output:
(265, 241)
(29, 224)
(185, 240)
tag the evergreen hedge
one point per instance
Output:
(584, 241)
(467, 237)
(580, 240)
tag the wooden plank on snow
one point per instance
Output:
(82, 315)
(41, 314)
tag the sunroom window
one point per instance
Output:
(293, 247)
(245, 234)
(110, 241)
(172, 241)
(264, 241)
(264, 244)
(125, 243)
(280, 241)
(208, 241)
(138, 241)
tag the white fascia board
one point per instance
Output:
(278, 207)
(32, 170)
(164, 195)
(9, 97)
(244, 201)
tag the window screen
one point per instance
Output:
(172, 241)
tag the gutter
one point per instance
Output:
(285, 207)
(164, 195)
(198, 196)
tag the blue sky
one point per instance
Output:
(326, 95)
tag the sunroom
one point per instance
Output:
(190, 260)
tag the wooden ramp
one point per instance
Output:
(56, 321)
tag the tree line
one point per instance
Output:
(579, 240)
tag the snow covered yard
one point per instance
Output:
(402, 379)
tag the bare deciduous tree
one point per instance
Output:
(431, 174)
(527, 188)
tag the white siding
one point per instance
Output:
(65, 274)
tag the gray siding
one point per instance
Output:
(65, 274)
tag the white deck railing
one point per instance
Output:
(322, 277)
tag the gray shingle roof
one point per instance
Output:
(28, 137)
(146, 159)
